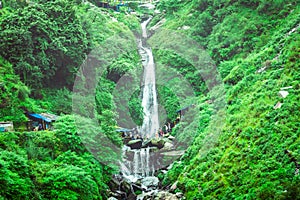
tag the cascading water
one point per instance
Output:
(138, 166)
(149, 97)
(141, 165)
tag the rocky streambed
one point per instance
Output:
(142, 161)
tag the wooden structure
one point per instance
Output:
(6, 126)
(44, 120)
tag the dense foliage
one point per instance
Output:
(43, 45)
(44, 165)
(255, 45)
(43, 41)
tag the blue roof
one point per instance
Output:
(38, 116)
(123, 130)
(185, 108)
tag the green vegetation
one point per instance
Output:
(255, 45)
(43, 45)
(46, 165)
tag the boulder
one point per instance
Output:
(167, 140)
(146, 144)
(179, 195)
(173, 153)
(171, 137)
(168, 146)
(153, 149)
(136, 187)
(149, 182)
(159, 143)
(112, 198)
(135, 144)
(114, 184)
(277, 106)
(164, 195)
(131, 197)
(283, 94)
(117, 195)
(125, 187)
(147, 195)
(186, 27)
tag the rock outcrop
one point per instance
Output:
(135, 144)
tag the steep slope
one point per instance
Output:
(40, 42)
(255, 45)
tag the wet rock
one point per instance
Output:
(159, 143)
(147, 195)
(168, 146)
(117, 195)
(136, 187)
(149, 182)
(114, 184)
(126, 140)
(146, 144)
(171, 137)
(173, 153)
(129, 154)
(131, 179)
(164, 195)
(112, 198)
(135, 144)
(131, 197)
(179, 195)
(153, 149)
(125, 187)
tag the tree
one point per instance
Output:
(13, 94)
(14, 176)
(69, 182)
(43, 41)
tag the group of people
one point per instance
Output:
(38, 128)
(167, 128)
(135, 134)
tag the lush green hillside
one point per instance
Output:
(46, 51)
(43, 45)
(255, 45)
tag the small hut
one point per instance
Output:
(43, 120)
(182, 111)
(124, 131)
(6, 126)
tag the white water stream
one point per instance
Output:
(140, 163)
(149, 97)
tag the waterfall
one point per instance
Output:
(144, 29)
(149, 96)
(140, 166)
(137, 163)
